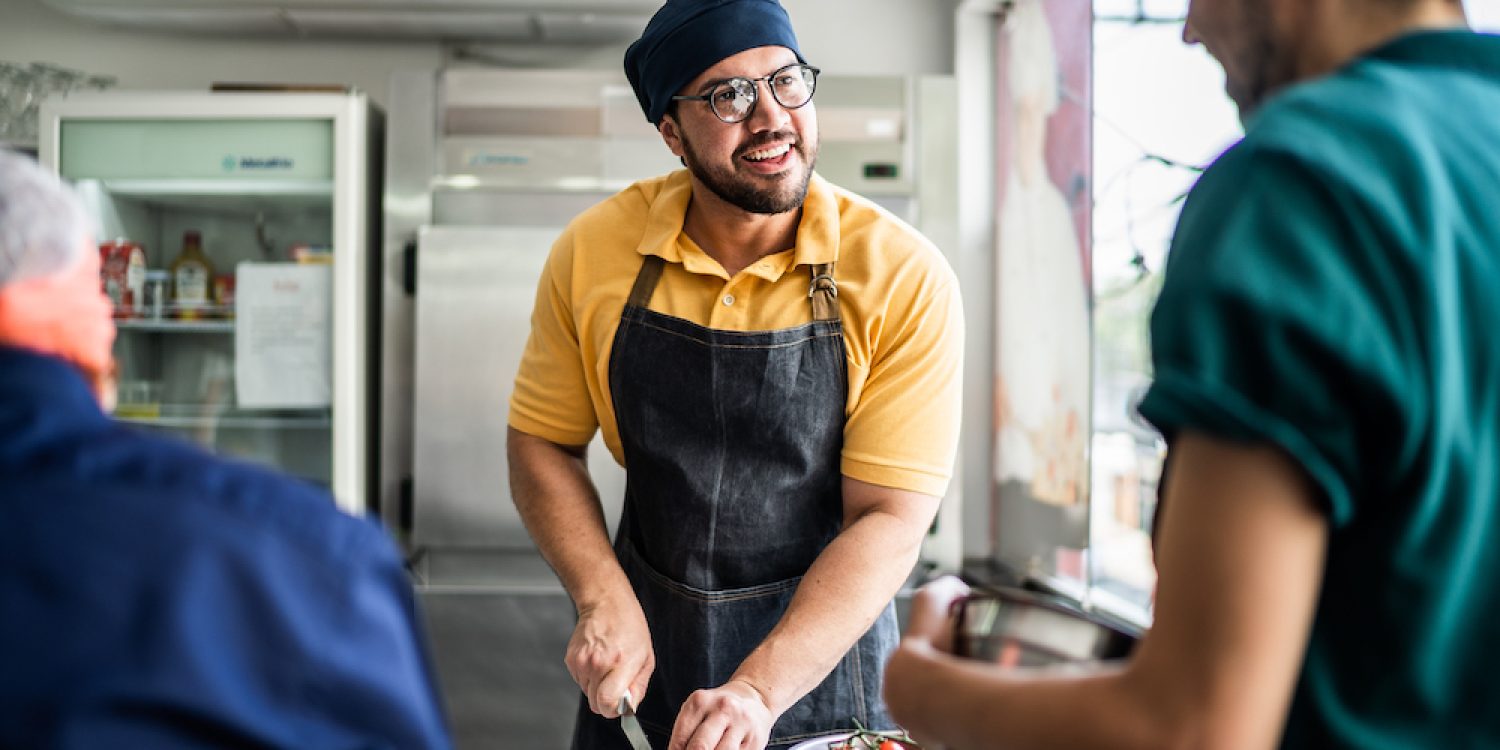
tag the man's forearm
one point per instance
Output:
(1240, 547)
(840, 596)
(560, 507)
(964, 703)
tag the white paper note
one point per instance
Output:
(282, 349)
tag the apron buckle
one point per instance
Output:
(823, 282)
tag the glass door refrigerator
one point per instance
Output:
(239, 239)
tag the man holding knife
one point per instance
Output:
(776, 363)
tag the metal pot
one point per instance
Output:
(1015, 627)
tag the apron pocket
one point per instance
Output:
(700, 638)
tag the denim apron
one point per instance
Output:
(733, 488)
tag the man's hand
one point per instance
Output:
(729, 717)
(932, 615)
(610, 652)
(929, 630)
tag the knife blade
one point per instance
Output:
(632, 725)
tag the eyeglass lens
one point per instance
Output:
(791, 87)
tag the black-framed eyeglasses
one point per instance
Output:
(733, 99)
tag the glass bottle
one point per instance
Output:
(192, 275)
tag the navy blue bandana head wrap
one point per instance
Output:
(687, 37)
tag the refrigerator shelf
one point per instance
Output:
(197, 188)
(234, 195)
(196, 415)
(175, 326)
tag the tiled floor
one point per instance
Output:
(499, 662)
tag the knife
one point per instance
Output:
(632, 725)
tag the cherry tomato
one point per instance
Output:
(890, 745)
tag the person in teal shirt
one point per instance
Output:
(1327, 374)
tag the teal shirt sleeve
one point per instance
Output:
(1269, 327)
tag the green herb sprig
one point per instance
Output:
(869, 739)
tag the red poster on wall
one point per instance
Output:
(1043, 290)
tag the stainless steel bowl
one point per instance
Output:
(1017, 627)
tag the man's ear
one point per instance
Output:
(670, 135)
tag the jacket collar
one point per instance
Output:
(38, 390)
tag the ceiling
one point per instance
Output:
(530, 21)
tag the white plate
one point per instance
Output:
(819, 743)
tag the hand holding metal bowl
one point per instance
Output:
(1015, 627)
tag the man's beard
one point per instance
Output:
(742, 193)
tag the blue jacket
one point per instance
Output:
(155, 596)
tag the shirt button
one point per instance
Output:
(728, 300)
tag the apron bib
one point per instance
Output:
(733, 488)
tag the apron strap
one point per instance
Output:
(645, 281)
(824, 293)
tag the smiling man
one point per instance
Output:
(775, 361)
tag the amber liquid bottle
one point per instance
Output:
(192, 279)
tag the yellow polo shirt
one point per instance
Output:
(902, 318)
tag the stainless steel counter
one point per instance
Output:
(498, 624)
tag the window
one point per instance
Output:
(1160, 115)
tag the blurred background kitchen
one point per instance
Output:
(322, 223)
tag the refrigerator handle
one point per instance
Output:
(409, 268)
(404, 514)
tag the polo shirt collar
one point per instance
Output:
(818, 237)
(817, 232)
(667, 212)
(1459, 48)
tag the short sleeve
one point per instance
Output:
(1270, 325)
(551, 396)
(903, 429)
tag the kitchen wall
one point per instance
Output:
(894, 36)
